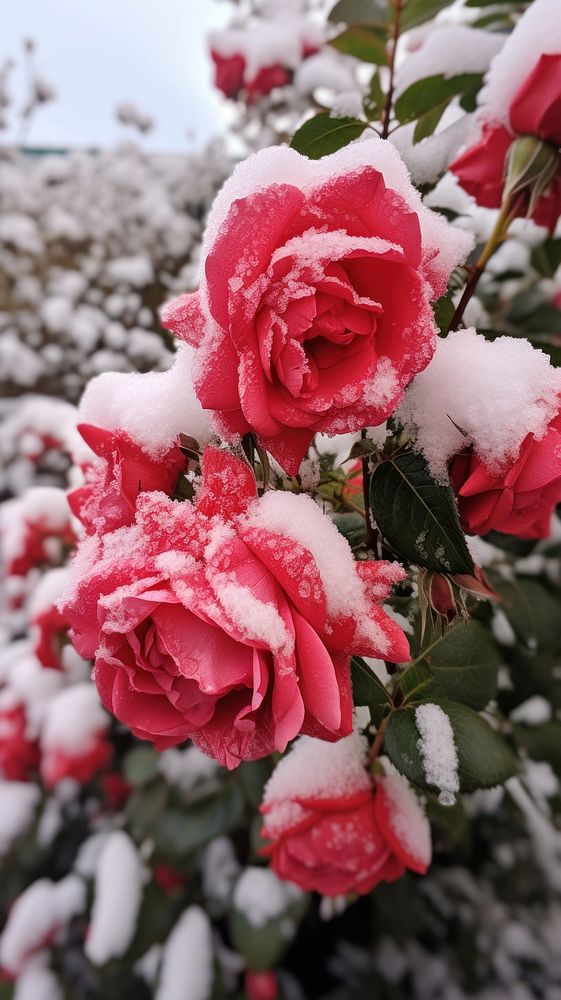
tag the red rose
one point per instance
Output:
(228, 73)
(35, 529)
(232, 621)
(521, 497)
(261, 985)
(534, 110)
(336, 830)
(265, 80)
(124, 470)
(314, 307)
(56, 765)
(48, 625)
(19, 755)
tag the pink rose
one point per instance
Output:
(231, 621)
(314, 308)
(520, 498)
(335, 829)
(535, 110)
(123, 470)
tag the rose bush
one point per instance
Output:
(314, 308)
(214, 621)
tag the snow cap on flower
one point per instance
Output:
(313, 311)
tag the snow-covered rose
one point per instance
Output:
(74, 741)
(488, 415)
(230, 621)
(518, 499)
(522, 97)
(313, 311)
(122, 471)
(335, 829)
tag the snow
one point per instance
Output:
(450, 50)
(438, 751)
(48, 590)
(262, 897)
(37, 981)
(220, 868)
(532, 712)
(314, 769)
(300, 518)
(406, 816)
(117, 897)
(256, 620)
(187, 971)
(267, 42)
(185, 768)
(444, 244)
(27, 682)
(44, 505)
(538, 32)
(347, 104)
(73, 719)
(327, 69)
(427, 160)
(136, 271)
(44, 908)
(496, 392)
(122, 400)
(18, 802)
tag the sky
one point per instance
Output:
(98, 53)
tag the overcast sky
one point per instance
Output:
(98, 53)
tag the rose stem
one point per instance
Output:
(389, 96)
(506, 215)
(378, 739)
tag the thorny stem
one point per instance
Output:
(378, 739)
(389, 96)
(370, 533)
(507, 213)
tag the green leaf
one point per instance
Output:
(374, 103)
(484, 757)
(323, 134)
(418, 11)
(140, 765)
(444, 310)
(369, 690)
(417, 683)
(427, 123)
(493, 3)
(532, 611)
(364, 43)
(360, 12)
(263, 946)
(417, 516)
(465, 663)
(177, 832)
(351, 527)
(546, 258)
(542, 742)
(425, 95)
